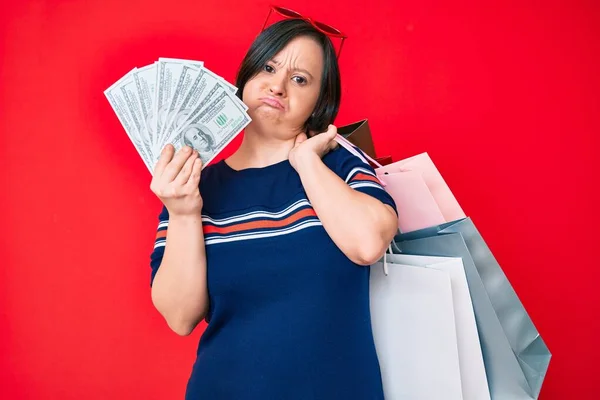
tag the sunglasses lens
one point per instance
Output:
(287, 12)
(328, 28)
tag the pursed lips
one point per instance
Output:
(273, 102)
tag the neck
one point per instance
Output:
(259, 149)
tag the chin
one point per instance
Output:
(266, 116)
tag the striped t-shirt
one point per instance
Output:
(289, 312)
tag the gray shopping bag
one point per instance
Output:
(515, 356)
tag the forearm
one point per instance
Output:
(179, 290)
(360, 225)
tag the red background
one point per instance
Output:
(504, 97)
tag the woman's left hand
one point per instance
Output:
(318, 145)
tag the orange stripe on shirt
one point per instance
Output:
(307, 212)
(161, 234)
(364, 177)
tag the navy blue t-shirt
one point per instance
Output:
(289, 312)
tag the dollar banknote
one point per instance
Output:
(145, 78)
(179, 102)
(129, 90)
(184, 72)
(186, 78)
(125, 103)
(214, 126)
(197, 95)
(169, 71)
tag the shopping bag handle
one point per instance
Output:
(385, 263)
(385, 266)
(350, 147)
(345, 143)
(395, 245)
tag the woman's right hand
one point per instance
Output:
(176, 180)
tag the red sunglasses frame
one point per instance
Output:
(320, 26)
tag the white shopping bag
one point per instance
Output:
(472, 368)
(412, 316)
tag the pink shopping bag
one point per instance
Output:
(422, 196)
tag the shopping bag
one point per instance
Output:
(416, 203)
(385, 160)
(472, 369)
(359, 134)
(438, 187)
(410, 307)
(515, 356)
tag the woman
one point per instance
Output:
(273, 248)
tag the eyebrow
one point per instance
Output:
(295, 69)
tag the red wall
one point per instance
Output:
(503, 97)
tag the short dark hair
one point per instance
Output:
(271, 41)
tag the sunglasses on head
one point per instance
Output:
(320, 26)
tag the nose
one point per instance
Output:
(277, 85)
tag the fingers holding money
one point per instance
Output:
(184, 174)
(174, 167)
(194, 179)
(177, 181)
(166, 156)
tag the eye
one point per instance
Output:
(299, 80)
(268, 68)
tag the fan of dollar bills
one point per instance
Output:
(179, 102)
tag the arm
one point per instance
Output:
(359, 224)
(179, 288)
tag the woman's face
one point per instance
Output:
(282, 96)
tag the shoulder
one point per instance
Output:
(211, 169)
(342, 162)
(210, 174)
(336, 157)
(337, 154)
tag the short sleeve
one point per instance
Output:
(159, 243)
(358, 174)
